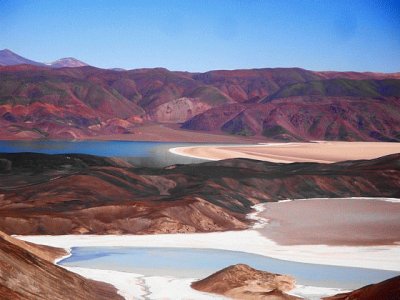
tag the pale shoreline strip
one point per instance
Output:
(394, 200)
(215, 153)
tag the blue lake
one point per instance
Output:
(199, 263)
(152, 154)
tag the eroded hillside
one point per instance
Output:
(65, 194)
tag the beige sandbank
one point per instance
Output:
(321, 151)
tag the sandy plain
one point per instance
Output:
(319, 151)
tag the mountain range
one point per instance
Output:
(71, 100)
(9, 58)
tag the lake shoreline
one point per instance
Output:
(137, 286)
(384, 257)
(132, 285)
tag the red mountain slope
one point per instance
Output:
(281, 104)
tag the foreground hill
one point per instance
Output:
(60, 194)
(27, 272)
(243, 282)
(37, 101)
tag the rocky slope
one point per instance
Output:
(385, 290)
(243, 282)
(44, 252)
(37, 101)
(60, 194)
(27, 272)
(318, 110)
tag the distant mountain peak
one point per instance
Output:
(6, 51)
(9, 58)
(68, 62)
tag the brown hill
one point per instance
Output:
(59, 194)
(243, 282)
(385, 290)
(44, 252)
(41, 102)
(27, 272)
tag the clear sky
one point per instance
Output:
(204, 35)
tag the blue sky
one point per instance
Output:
(207, 34)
